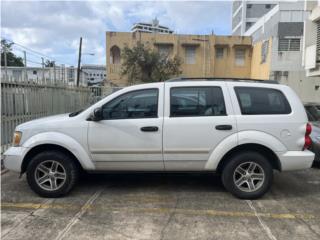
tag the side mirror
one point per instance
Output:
(97, 114)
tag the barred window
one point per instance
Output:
(264, 51)
(289, 44)
(164, 50)
(240, 57)
(190, 55)
(219, 52)
(318, 41)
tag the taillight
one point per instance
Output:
(307, 139)
(308, 129)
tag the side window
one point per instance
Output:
(136, 104)
(257, 101)
(196, 101)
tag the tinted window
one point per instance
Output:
(313, 112)
(262, 101)
(136, 104)
(196, 101)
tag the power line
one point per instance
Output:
(34, 62)
(34, 52)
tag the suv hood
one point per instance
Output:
(42, 122)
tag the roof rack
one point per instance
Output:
(182, 79)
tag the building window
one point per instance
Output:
(289, 44)
(115, 55)
(249, 6)
(318, 41)
(268, 6)
(264, 51)
(219, 53)
(190, 54)
(34, 72)
(248, 25)
(164, 50)
(240, 57)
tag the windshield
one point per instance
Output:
(313, 112)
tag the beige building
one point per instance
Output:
(201, 55)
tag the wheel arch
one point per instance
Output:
(59, 142)
(46, 147)
(254, 147)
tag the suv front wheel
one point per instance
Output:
(247, 175)
(52, 174)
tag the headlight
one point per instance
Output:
(16, 138)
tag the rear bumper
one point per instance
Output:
(316, 150)
(296, 160)
(13, 158)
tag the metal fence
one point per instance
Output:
(21, 102)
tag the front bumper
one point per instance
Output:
(296, 160)
(13, 158)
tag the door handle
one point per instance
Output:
(224, 127)
(149, 129)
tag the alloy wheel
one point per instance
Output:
(249, 176)
(50, 175)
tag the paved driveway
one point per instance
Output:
(156, 206)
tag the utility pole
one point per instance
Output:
(54, 72)
(63, 73)
(79, 62)
(42, 70)
(25, 66)
(5, 63)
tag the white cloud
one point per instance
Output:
(55, 27)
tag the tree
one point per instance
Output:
(12, 59)
(141, 64)
(49, 63)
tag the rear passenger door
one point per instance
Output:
(198, 116)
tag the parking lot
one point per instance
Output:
(159, 206)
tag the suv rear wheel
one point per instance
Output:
(247, 175)
(52, 174)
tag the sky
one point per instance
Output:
(53, 28)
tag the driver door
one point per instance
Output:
(129, 137)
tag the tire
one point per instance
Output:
(239, 170)
(52, 174)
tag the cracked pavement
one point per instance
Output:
(162, 206)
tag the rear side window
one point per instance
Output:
(196, 101)
(257, 101)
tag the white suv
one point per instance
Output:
(241, 130)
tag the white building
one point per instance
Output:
(283, 26)
(94, 74)
(153, 27)
(311, 44)
(47, 75)
(246, 13)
